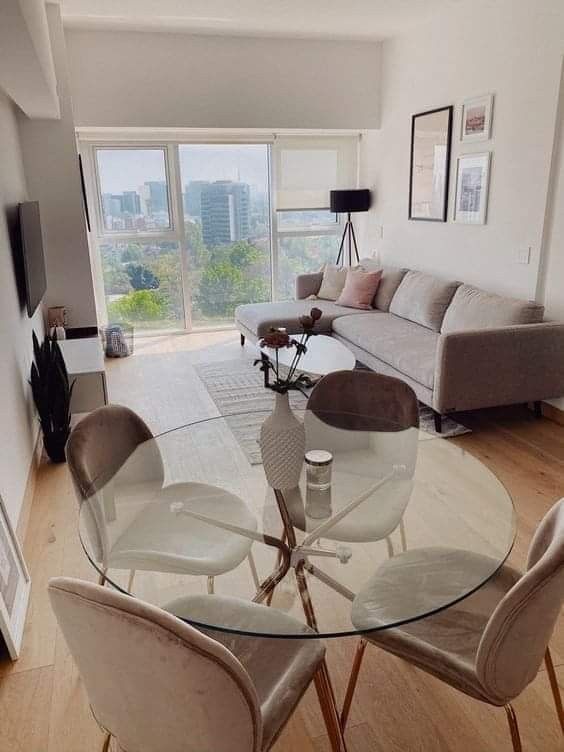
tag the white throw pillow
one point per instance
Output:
(333, 281)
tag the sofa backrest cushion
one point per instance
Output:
(391, 278)
(423, 299)
(472, 308)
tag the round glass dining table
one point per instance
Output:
(406, 525)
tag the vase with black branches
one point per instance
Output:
(282, 435)
(52, 394)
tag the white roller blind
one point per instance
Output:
(306, 169)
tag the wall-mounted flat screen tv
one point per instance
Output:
(34, 259)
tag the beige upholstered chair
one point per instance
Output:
(154, 540)
(490, 645)
(346, 410)
(365, 400)
(156, 684)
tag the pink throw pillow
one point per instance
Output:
(360, 289)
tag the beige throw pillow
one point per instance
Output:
(333, 281)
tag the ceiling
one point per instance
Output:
(330, 19)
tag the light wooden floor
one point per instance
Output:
(42, 704)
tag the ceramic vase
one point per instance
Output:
(282, 444)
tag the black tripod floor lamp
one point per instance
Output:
(347, 202)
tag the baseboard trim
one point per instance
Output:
(29, 493)
(553, 413)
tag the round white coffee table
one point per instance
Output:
(324, 355)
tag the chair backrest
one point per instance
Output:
(99, 445)
(155, 683)
(514, 642)
(364, 400)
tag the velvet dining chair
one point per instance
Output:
(490, 645)
(157, 684)
(351, 411)
(114, 443)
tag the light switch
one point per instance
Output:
(524, 256)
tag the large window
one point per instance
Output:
(186, 232)
(226, 214)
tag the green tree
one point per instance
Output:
(141, 277)
(236, 274)
(116, 281)
(138, 305)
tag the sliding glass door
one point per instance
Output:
(226, 217)
(140, 253)
(183, 233)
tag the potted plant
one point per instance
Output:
(52, 395)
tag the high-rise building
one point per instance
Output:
(225, 212)
(193, 197)
(130, 202)
(153, 195)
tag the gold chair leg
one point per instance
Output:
(107, 741)
(513, 728)
(211, 585)
(353, 678)
(554, 687)
(254, 572)
(390, 547)
(402, 535)
(328, 706)
(102, 577)
(130, 581)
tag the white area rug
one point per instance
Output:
(236, 386)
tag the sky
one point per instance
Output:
(126, 169)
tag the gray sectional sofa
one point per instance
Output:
(458, 347)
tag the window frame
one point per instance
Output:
(88, 147)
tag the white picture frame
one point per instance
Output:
(15, 586)
(472, 188)
(476, 121)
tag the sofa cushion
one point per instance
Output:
(391, 278)
(334, 278)
(472, 308)
(360, 289)
(423, 299)
(260, 317)
(407, 347)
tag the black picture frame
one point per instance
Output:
(438, 213)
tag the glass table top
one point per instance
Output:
(397, 526)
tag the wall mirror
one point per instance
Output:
(431, 137)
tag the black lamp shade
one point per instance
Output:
(343, 202)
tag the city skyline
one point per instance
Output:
(124, 169)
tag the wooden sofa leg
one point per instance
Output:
(537, 407)
(438, 422)
(242, 339)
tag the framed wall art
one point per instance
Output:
(15, 585)
(431, 139)
(472, 186)
(476, 122)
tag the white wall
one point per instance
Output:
(18, 425)
(27, 73)
(514, 49)
(551, 284)
(127, 78)
(53, 179)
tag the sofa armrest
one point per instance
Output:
(308, 284)
(502, 366)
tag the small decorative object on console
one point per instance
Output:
(282, 435)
